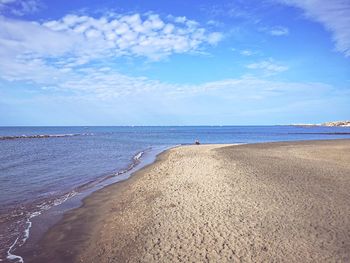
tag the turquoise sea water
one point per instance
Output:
(41, 167)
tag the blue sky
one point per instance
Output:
(174, 62)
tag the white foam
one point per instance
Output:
(29, 224)
(26, 231)
(64, 198)
(11, 256)
(138, 156)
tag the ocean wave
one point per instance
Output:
(43, 136)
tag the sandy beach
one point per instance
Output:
(270, 202)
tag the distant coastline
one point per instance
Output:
(326, 124)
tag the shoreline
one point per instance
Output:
(76, 226)
(41, 221)
(84, 202)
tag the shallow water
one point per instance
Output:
(41, 167)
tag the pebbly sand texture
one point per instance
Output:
(273, 202)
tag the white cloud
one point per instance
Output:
(253, 88)
(103, 96)
(77, 40)
(333, 15)
(20, 37)
(214, 23)
(19, 7)
(214, 38)
(275, 30)
(269, 67)
(279, 31)
(148, 36)
(118, 92)
(27, 49)
(107, 84)
(104, 83)
(247, 52)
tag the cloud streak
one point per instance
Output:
(118, 98)
(276, 31)
(333, 15)
(269, 67)
(106, 84)
(279, 31)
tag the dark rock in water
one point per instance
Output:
(41, 136)
(197, 142)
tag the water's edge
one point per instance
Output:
(38, 223)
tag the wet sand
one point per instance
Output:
(272, 202)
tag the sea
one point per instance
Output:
(45, 171)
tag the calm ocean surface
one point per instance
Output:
(38, 172)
